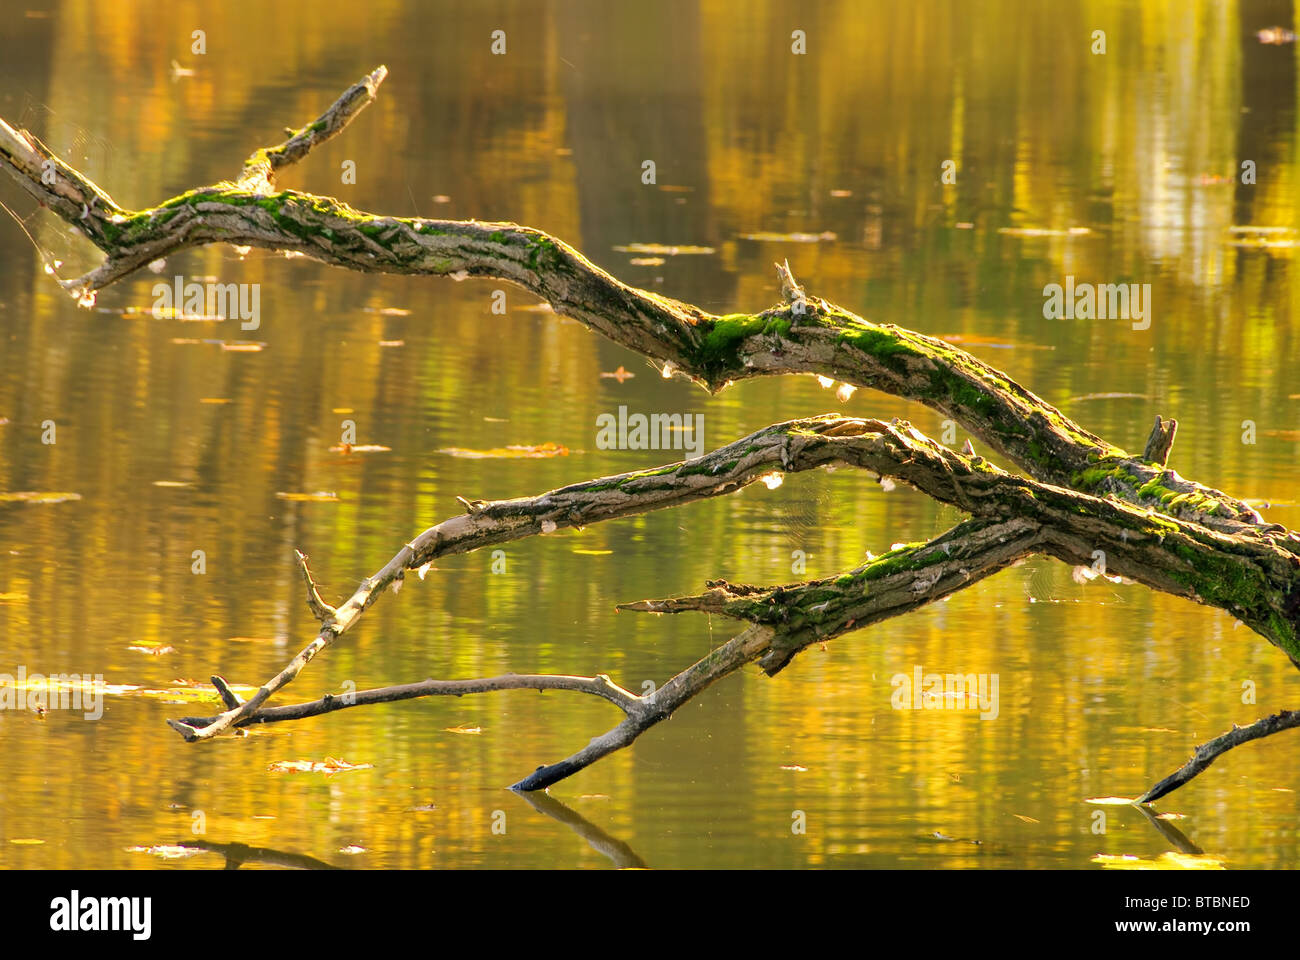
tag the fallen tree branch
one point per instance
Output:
(802, 335)
(1211, 750)
(1086, 496)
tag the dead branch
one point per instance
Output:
(1153, 525)
(1210, 751)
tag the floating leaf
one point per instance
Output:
(1166, 861)
(521, 451)
(1022, 817)
(321, 496)
(665, 249)
(359, 448)
(975, 340)
(1110, 396)
(1043, 232)
(168, 852)
(329, 766)
(153, 649)
(32, 496)
(765, 236)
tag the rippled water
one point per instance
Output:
(1111, 168)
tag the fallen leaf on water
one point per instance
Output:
(1110, 396)
(329, 766)
(321, 496)
(1022, 817)
(463, 729)
(1043, 232)
(180, 691)
(1275, 36)
(1261, 243)
(520, 451)
(27, 841)
(154, 650)
(359, 448)
(1166, 861)
(766, 236)
(168, 852)
(669, 250)
(620, 374)
(32, 496)
(973, 339)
